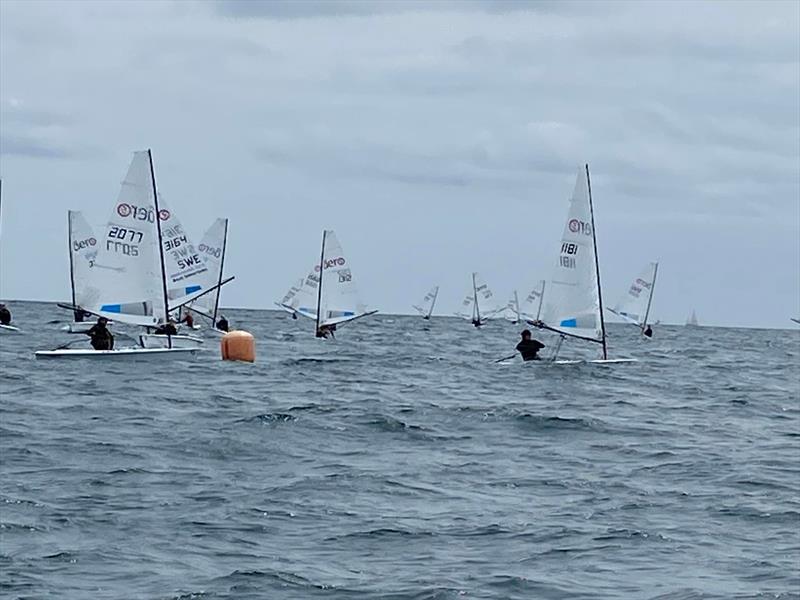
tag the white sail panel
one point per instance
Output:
(425, 307)
(633, 305)
(302, 296)
(83, 248)
(124, 281)
(532, 304)
(340, 300)
(571, 301)
(212, 251)
(186, 271)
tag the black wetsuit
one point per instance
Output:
(529, 349)
(5, 316)
(168, 329)
(648, 332)
(222, 324)
(102, 339)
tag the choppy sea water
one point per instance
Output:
(400, 462)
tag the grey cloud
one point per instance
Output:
(296, 9)
(29, 147)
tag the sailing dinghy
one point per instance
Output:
(212, 249)
(328, 294)
(692, 320)
(572, 305)
(301, 299)
(512, 309)
(634, 306)
(5, 328)
(473, 307)
(428, 302)
(82, 254)
(127, 282)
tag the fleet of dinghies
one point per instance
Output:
(144, 271)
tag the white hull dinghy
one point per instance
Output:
(572, 305)
(127, 353)
(154, 340)
(425, 309)
(473, 306)
(9, 329)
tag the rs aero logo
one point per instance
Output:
(79, 245)
(333, 262)
(576, 226)
(140, 213)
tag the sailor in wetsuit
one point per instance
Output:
(222, 324)
(101, 337)
(476, 322)
(5, 315)
(528, 348)
(326, 331)
(648, 332)
(167, 329)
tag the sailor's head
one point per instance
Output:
(526, 334)
(102, 321)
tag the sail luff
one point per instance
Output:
(160, 239)
(597, 266)
(321, 277)
(650, 297)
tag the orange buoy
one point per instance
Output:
(238, 345)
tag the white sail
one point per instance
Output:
(532, 304)
(634, 306)
(124, 282)
(479, 303)
(302, 296)
(83, 248)
(339, 298)
(428, 302)
(692, 320)
(572, 300)
(512, 309)
(186, 271)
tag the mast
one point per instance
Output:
(516, 306)
(160, 240)
(475, 297)
(541, 299)
(71, 265)
(597, 266)
(221, 268)
(433, 302)
(319, 287)
(650, 299)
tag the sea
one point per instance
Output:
(401, 462)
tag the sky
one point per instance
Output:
(436, 138)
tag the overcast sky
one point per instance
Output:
(435, 138)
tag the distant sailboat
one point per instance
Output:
(692, 320)
(337, 299)
(634, 306)
(473, 307)
(427, 304)
(5, 328)
(532, 305)
(512, 309)
(212, 249)
(83, 249)
(573, 301)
